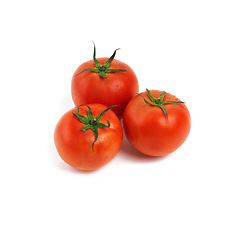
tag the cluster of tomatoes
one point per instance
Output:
(104, 91)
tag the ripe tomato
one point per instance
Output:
(87, 140)
(106, 81)
(156, 123)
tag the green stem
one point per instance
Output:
(92, 122)
(102, 69)
(158, 102)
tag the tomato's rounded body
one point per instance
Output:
(75, 145)
(149, 130)
(117, 89)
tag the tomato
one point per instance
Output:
(89, 136)
(106, 81)
(156, 123)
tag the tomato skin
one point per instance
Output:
(118, 89)
(75, 146)
(147, 128)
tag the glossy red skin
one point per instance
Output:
(118, 89)
(147, 128)
(75, 146)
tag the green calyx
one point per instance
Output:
(103, 69)
(159, 101)
(92, 122)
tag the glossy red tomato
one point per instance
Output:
(106, 81)
(156, 123)
(89, 136)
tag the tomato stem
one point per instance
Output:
(158, 102)
(92, 122)
(102, 69)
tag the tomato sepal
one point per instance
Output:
(103, 69)
(158, 102)
(92, 122)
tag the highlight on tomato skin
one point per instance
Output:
(156, 123)
(106, 81)
(89, 136)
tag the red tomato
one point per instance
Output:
(156, 123)
(106, 81)
(88, 137)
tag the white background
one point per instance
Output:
(188, 48)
